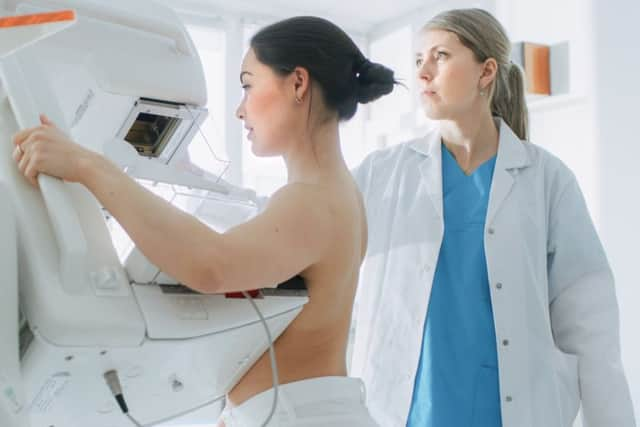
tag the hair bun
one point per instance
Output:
(374, 81)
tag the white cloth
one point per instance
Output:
(552, 291)
(316, 402)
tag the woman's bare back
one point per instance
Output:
(315, 343)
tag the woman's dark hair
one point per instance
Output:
(332, 59)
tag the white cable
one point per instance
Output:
(272, 356)
(206, 140)
(133, 420)
(113, 382)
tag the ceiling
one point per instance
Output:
(359, 16)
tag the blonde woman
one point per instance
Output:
(486, 298)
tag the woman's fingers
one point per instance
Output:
(22, 135)
(29, 164)
(32, 144)
(31, 171)
(45, 120)
(17, 153)
(27, 154)
(45, 149)
(22, 163)
(26, 139)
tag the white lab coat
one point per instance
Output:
(552, 291)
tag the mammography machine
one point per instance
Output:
(97, 331)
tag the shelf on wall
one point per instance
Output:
(551, 102)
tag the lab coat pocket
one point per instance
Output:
(486, 404)
(567, 385)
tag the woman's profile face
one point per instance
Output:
(448, 75)
(267, 107)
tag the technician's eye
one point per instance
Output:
(441, 55)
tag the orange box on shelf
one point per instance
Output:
(534, 60)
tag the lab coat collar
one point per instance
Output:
(511, 151)
(431, 168)
(511, 155)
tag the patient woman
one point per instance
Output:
(301, 77)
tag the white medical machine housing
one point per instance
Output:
(124, 80)
(10, 381)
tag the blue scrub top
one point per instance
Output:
(457, 379)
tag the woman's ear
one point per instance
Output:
(489, 72)
(301, 83)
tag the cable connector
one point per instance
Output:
(113, 382)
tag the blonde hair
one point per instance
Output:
(478, 30)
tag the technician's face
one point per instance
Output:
(266, 107)
(448, 75)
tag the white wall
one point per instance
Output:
(616, 62)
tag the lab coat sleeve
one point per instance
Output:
(362, 175)
(261, 202)
(584, 310)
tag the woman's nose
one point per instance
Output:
(425, 73)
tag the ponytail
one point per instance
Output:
(508, 100)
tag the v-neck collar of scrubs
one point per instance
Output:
(482, 169)
(478, 182)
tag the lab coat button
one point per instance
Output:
(491, 231)
(499, 285)
(509, 399)
(505, 342)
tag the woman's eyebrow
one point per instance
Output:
(431, 49)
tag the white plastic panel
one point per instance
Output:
(85, 318)
(161, 379)
(12, 403)
(112, 40)
(29, 96)
(179, 315)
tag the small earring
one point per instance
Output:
(298, 100)
(481, 92)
